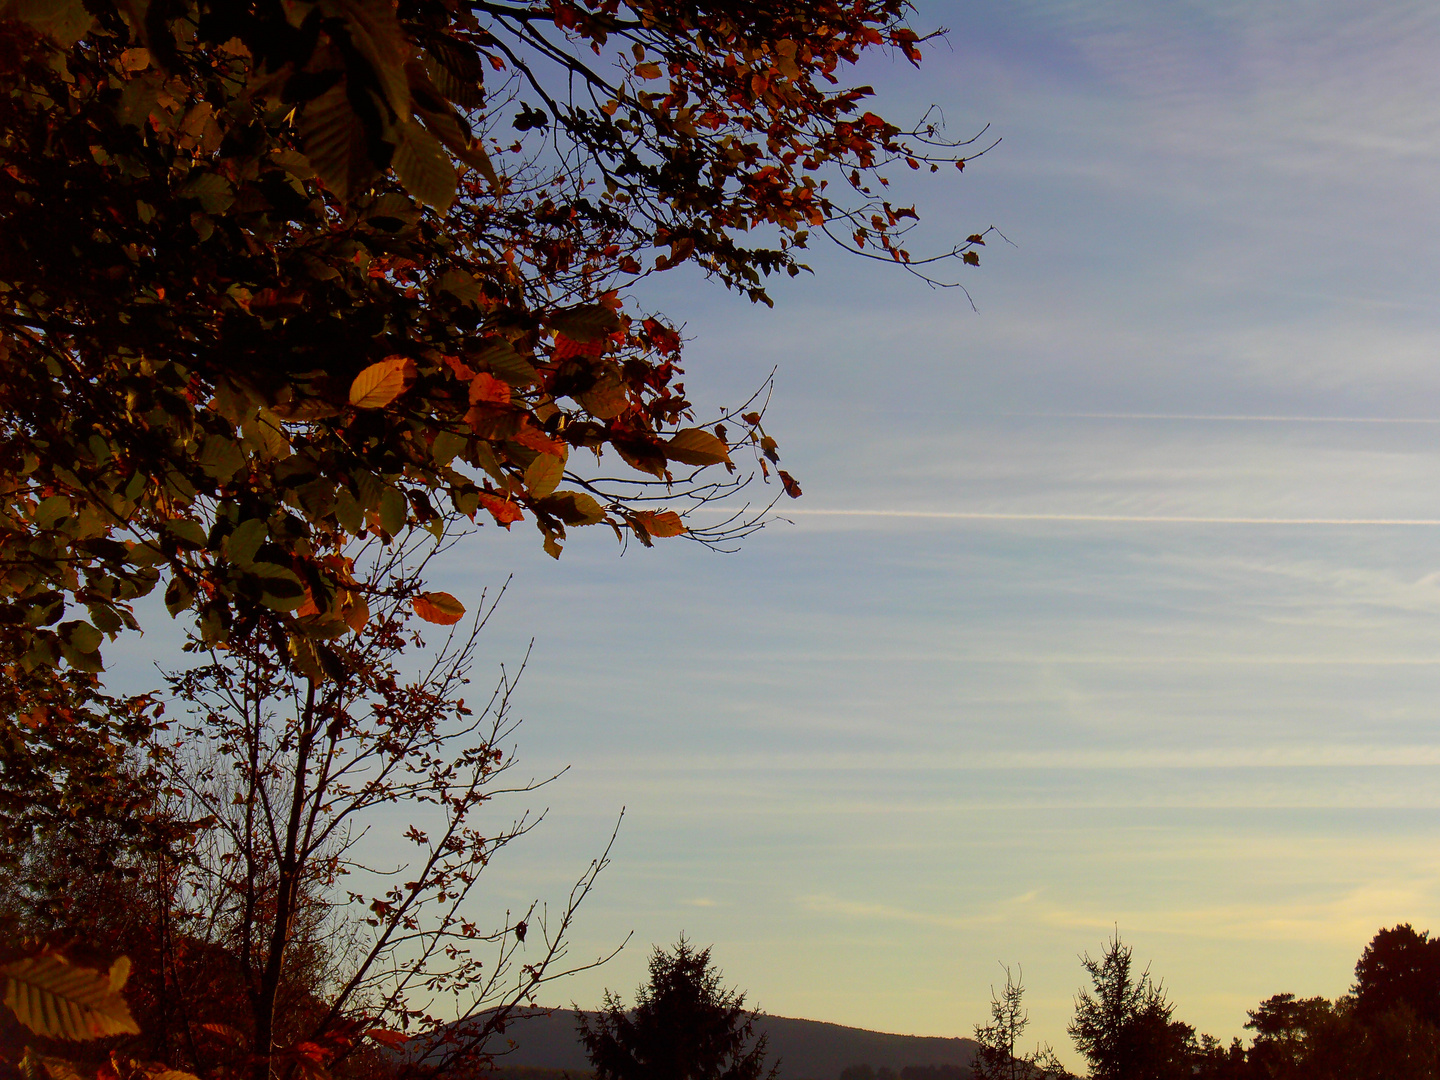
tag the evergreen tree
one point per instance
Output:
(1125, 1028)
(996, 1057)
(685, 1026)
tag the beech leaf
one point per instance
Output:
(438, 607)
(60, 1000)
(380, 384)
(696, 446)
(665, 523)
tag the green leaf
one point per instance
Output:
(280, 588)
(460, 284)
(57, 999)
(81, 636)
(584, 324)
(51, 510)
(242, 544)
(220, 458)
(501, 360)
(334, 141)
(393, 510)
(187, 531)
(420, 163)
(447, 444)
(544, 474)
(178, 595)
(573, 508)
(63, 21)
(213, 192)
(376, 33)
(348, 512)
(106, 618)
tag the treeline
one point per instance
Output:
(909, 1072)
(1125, 1028)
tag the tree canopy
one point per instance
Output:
(280, 276)
(685, 1026)
(252, 309)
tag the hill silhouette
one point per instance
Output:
(540, 1041)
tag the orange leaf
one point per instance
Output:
(459, 367)
(502, 510)
(438, 607)
(667, 523)
(380, 384)
(393, 1039)
(538, 441)
(484, 387)
(565, 347)
(791, 487)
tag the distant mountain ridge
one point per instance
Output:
(806, 1049)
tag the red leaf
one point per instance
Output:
(791, 487)
(393, 1039)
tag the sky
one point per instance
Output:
(1111, 602)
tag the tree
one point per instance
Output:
(1399, 966)
(271, 942)
(996, 1056)
(1123, 1026)
(251, 312)
(685, 1026)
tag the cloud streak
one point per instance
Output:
(1129, 519)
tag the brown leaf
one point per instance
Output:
(665, 523)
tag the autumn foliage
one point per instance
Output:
(288, 286)
(278, 275)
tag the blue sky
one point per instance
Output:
(872, 755)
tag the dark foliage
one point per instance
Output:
(1124, 1025)
(685, 1026)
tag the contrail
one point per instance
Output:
(1229, 418)
(1140, 519)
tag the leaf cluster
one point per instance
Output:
(271, 279)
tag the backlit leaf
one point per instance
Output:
(696, 446)
(57, 999)
(438, 607)
(543, 475)
(666, 523)
(380, 384)
(502, 510)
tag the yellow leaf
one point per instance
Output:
(438, 607)
(695, 446)
(57, 999)
(357, 613)
(380, 384)
(544, 474)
